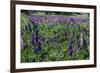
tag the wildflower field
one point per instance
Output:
(54, 36)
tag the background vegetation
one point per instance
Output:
(54, 36)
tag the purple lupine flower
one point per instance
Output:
(38, 49)
(70, 50)
(32, 19)
(39, 45)
(63, 19)
(47, 19)
(36, 36)
(38, 19)
(66, 20)
(73, 20)
(32, 38)
(36, 32)
(42, 38)
(35, 49)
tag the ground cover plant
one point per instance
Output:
(54, 36)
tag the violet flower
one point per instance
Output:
(70, 50)
(42, 38)
(38, 49)
(73, 20)
(36, 36)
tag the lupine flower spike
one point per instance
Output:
(38, 48)
(36, 36)
(70, 50)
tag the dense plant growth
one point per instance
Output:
(52, 36)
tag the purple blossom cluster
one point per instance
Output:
(70, 49)
(55, 19)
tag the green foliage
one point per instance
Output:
(54, 51)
